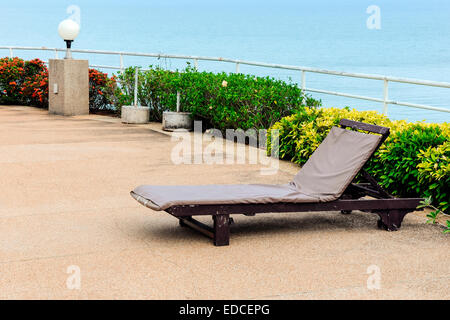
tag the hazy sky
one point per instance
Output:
(18, 16)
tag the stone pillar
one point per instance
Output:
(68, 87)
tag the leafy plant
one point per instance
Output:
(447, 229)
(434, 214)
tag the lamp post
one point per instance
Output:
(68, 30)
(68, 79)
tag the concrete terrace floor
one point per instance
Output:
(65, 201)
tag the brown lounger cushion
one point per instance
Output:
(334, 164)
(163, 197)
(324, 177)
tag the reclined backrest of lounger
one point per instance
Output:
(334, 164)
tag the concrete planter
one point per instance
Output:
(176, 120)
(136, 115)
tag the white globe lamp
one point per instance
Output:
(68, 30)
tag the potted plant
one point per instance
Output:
(135, 114)
(177, 120)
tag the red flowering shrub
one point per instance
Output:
(35, 86)
(23, 82)
(26, 83)
(99, 87)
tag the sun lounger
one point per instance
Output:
(324, 183)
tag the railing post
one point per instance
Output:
(136, 76)
(196, 64)
(237, 67)
(385, 97)
(11, 53)
(303, 85)
(56, 54)
(121, 62)
(303, 80)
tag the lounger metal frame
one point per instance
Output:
(390, 210)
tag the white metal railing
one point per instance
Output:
(386, 79)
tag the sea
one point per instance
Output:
(401, 38)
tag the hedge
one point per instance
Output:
(221, 100)
(414, 160)
(26, 83)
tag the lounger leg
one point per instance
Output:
(193, 224)
(221, 230)
(182, 223)
(391, 220)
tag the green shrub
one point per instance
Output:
(397, 164)
(413, 161)
(221, 100)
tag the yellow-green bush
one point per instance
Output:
(301, 133)
(414, 160)
(434, 172)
